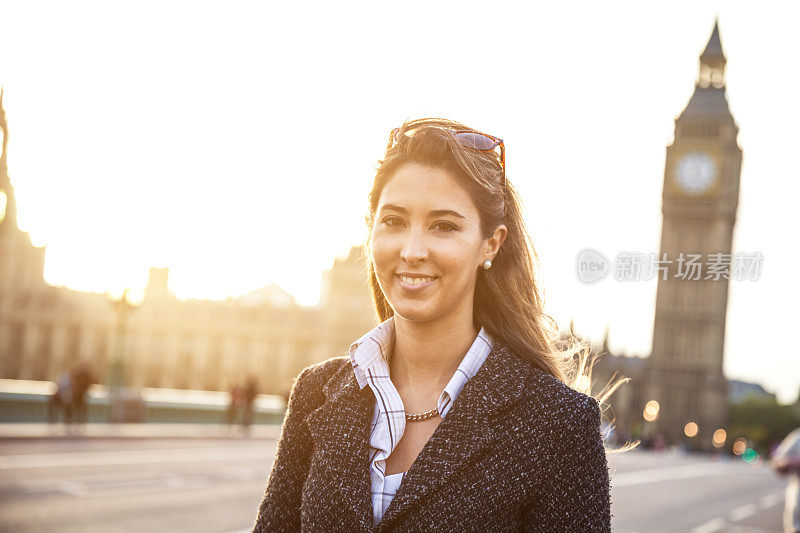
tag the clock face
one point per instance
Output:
(696, 173)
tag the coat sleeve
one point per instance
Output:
(575, 492)
(280, 506)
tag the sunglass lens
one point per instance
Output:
(476, 140)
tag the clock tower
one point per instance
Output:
(700, 197)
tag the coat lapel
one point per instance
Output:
(502, 380)
(340, 429)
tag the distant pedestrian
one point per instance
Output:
(61, 400)
(248, 399)
(235, 405)
(786, 460)
(82, 378)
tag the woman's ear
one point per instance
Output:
(494, 242)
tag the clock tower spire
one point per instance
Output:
(712, 62)
(699, 201)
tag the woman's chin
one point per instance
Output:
(413, 313)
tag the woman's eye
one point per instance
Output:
(388, 221)
(445, 226)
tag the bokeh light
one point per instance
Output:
(690, 429)
(740, 446)
(651, 410)
(750, 455)
(720, 436)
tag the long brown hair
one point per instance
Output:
(507, 298)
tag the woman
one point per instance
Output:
(453, 413)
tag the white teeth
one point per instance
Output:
(414, 281)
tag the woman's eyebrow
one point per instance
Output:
(434, 213)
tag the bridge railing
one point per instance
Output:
(26, 401)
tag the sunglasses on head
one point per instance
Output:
(470, 139)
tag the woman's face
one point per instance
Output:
(427, 227)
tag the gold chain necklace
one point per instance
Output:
(422, 416)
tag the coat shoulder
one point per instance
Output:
(325, 369)
(308, 384)
(555, 392)
(555, 401)
(556, 420)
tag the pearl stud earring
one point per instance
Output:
(487, 264)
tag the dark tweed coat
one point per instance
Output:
(518, 451)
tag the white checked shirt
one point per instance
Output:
(368, 358)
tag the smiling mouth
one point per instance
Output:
(411, 285)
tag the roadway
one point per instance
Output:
(215, 484)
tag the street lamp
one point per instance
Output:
(122, 309)
(126, 405)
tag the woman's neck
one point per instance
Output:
(426, 354)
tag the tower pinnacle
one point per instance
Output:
(712, 62)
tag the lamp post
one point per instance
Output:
(126, 405)
(122, 308)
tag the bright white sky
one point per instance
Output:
(235, 142)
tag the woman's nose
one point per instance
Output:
(414, 246)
